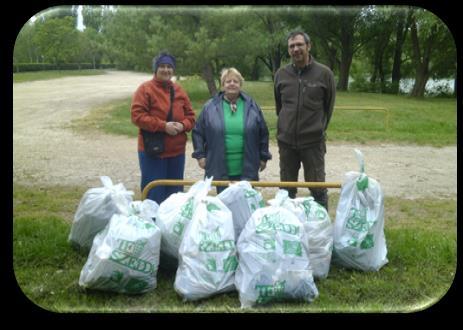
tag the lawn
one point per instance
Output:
(420, 236)
(401, 120)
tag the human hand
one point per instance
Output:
(178, 126)
(263, 165)
(202, 163)
(171, 128)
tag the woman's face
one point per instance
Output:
(231, 85)
(164, 72)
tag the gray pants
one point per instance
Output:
(313, 161)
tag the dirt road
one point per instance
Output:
(45, 152)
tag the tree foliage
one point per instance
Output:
(376, 45)
(56, 39)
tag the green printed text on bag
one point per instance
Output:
(186, 214)
(268, 293)
(292, 248)
(357, 220)
(211, 242)
(127, 254)
(230, 264)
(272, 223)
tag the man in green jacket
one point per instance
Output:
(304, 95)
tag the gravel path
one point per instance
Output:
(46, 153)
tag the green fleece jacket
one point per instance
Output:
(304, 103)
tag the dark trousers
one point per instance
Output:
(157, 169)
(313, 161)
(230, 178)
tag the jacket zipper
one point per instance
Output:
(298, 107)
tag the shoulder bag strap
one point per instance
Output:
(172, 96)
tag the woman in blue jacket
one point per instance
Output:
(230, 137)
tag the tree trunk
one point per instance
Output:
(401, 33)
(268, 63)
(255, 70)
(332, 60)
(421, 78)
(331, 52)
(382, 77)
(208, 76)
(276, 62)
(421, 59)
(344, 69)
(347, 51)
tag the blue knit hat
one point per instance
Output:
(163, 58)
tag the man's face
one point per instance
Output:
(298, 49)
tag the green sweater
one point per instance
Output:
(234, 136)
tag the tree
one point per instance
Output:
(126, 36)
(26, 49)
(377, 30)
(271, 39)
(96, 16)
(402, 25)
(56, 38)
(91, 47)
(428, 35)
(348, 21)
(60, 12)
(205, 40)
(336, 30)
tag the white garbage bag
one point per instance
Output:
(176, 212)
(207, 254)
(273, 253)
(242, 200)
(319, 228)
(95, 209)
(124, 257)
(359, 240)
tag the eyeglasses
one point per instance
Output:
(298, 45)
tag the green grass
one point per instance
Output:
(52, 74)
(427, 121)
(420, 236)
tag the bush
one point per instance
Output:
(27, 67)
(362, 84)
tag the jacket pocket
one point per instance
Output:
(312, 97)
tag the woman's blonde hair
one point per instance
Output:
(230, 72)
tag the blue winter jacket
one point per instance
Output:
(209, 139)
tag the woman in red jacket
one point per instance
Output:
(150, 108)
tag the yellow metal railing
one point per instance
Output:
(225, 183)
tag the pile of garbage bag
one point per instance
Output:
(95, 209)
(359, 240)
(208, 257)
(274, 260)
(124, 256)
(228, 242)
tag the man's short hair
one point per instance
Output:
(296, 33)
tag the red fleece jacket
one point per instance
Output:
(150, 106)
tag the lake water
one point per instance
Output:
(432, 86)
